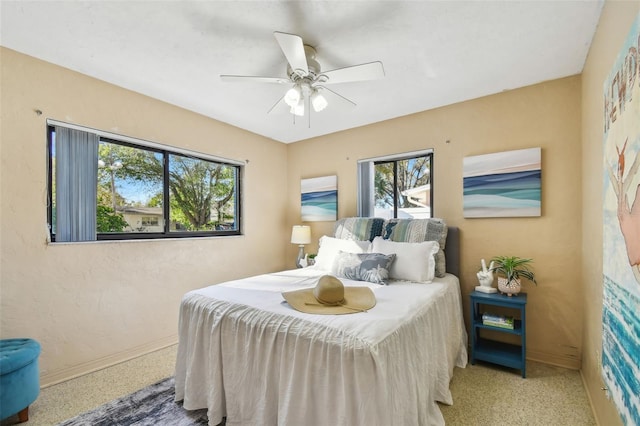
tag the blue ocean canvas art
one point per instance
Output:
(319, 198)
(621, 231)
(502, 184)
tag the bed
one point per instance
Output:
(247, 356)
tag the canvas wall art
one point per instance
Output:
(319, 197)
(621, 230)
(503, 184)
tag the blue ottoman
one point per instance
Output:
(19, 377)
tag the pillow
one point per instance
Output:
(372, 267)
(419, 230)
(414, 261)
(358, 228)
(329, 248)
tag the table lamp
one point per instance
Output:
(301, 235)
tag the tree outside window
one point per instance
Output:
(402, 187)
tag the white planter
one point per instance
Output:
(509, 288)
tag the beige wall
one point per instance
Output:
(615, 23)
(546, 115)
(93, 304)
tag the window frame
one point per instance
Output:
(166, 151)
(367, 178)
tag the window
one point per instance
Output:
(397, 186)
(130, 185)
(102, 187)
(194, 183)
(150, 221)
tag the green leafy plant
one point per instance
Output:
(513, 268)
(108, 220)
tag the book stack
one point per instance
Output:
(497, 321)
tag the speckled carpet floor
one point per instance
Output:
(483, 394)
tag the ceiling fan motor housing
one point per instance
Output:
(312, 65)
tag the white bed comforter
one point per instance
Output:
(245, 354)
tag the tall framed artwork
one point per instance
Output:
(621, 230)
(319, 199)
(503, 184)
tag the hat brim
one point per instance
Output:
(356, 299)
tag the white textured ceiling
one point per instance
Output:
(435, 53)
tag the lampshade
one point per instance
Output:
(301, 234)
(293, 95)
(298, 109)
(318, 101)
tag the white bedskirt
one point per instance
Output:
(246, 355)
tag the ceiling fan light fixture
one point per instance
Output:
(293, 96)
(318, 101)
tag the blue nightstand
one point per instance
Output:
(507, 354)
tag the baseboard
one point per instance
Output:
(59, 376)
(559, 360)
(586, 390)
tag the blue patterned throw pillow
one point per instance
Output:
(358, 228)
(416, 231)
(371, 267)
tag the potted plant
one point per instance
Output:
(510, 270)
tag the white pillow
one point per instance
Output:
(329, 248)
(414, 261)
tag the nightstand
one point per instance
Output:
(485, 349)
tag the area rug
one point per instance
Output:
(151, 406)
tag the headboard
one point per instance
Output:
(452, 250)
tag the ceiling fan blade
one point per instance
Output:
(362, 72)
(280, 107)
(335, 99)
(293, 49)
(253, 79)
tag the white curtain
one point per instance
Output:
(76, 156)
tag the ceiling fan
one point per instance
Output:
(307, 80)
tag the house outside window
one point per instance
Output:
(150, 220)
(396, 186)
(105, 188)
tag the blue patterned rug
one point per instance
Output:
(151, 406)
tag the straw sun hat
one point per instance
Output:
(331, 297)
